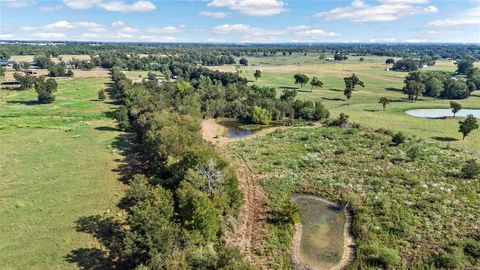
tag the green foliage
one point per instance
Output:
(243, 61)
(414, 152)
(383, 256)
(406, 65)
(471, 169)
(472, 248)
(451, 259)
(456, 107)
(122, 118)
(316, 83)
(301, 79)
(399, 138)
(390, 61)
(101, 94)
(261, 116)
(26, 81)
(288, 95)
(384, 101)
(45, 90)
(350, 83)
(59, 70)
(468, 125)
(465, 67)
(257, 74)
(310, 111)
(413, 89)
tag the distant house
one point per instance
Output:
(31, 71)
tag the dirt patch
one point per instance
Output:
(348, 247)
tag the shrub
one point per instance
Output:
(379, 255)
(471, 169)
(472, 248)
(341, 121)
(453, 259)
(414, 152)
(45, 90)
(101, 95)
(398, 138)
(261, 116)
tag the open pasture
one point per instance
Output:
(58, 165)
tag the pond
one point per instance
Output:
(441, 113)
(322, 234)
(236, 129)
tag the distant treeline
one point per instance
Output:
(215, 54)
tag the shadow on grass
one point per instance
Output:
(333, 99)
(109, 233)
(24, 102)
(288, 87)
(335, 90)
(445, 139)
(134, 161)
(104, 128)
(371, 110)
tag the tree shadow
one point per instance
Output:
(109, 234)
(333, 99)
(134, 161)
(288, 87)
(105, 128)
(445, 139)
(24, 102)
(371, 110)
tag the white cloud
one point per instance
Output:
(386, 10)
(50, 8)
(298, 27)
(245, 28)
(468, 17)
(28, 28)
(118, 24)
(383, 40)
(215, 15)
(49, 36)
(166, 30)
(315, 34)
(112, 5)
(66, 25)
(18, 3)
(6, 36)
(252, 7)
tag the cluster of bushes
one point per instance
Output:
(59, 70)
(436, 84)
(180, 207)
(44, 87)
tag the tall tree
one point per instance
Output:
(45, 90)
(243, 61)
(470, 124)
(316, 83)
(301, 79)
(384, 101)
(456, 107)
(350, 83)
(413, 89)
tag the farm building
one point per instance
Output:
(30, 71)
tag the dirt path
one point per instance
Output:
(348, 244)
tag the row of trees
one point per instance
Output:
(179, 208)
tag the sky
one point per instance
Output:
(242, 21)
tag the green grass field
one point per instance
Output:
(58, 164)
(363, 107)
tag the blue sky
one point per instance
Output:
(251, 21)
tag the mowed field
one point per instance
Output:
(58, 164)
(363, 107)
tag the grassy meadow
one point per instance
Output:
(363, 107)
(409, 205)
(58, 164)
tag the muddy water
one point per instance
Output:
(240, 130)
(322, 242)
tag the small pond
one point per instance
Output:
(441, 113)
(236, 129)
(322, 240)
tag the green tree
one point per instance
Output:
(350, 83)
(384, 101)
(26, 81)
(464, 67)
(413, 89)
(288, 95)
(261, 116)
(470, 124)
(257, 74)
(316, 83)
(243, 61)
(45, 90)
(101, 94)
(2, 72)
(434, 87)
(456, 107)
(301, 79)
(390, 61)
(24, 65)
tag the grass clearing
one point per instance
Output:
(58, 164)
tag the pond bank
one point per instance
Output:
(442, 113)
(348, 253)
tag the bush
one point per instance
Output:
(472, 248)
(379, 255)
(453, 259)
(261, 116)
(102, 95)
(45, 90)
(341, 121)
(414, 152)
(471, 169)
(399, 138)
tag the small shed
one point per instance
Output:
(30, 71)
